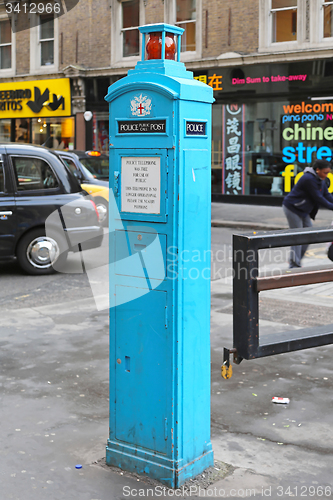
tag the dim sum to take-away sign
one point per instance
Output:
(40, 98)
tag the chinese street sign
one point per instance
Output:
(232, 149)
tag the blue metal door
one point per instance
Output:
(143, 369)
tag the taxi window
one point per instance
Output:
(33, 173)
(2, 179)
(70, 164)
(97, 166)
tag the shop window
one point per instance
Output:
(259, 149)
(328, 19)
(33, 173)
(5, 129)
(284, 19)
(101, 132)
(5, 45)
(54, 133)
(22, 130)
(46, 40)
(186, 19)
(130, 32)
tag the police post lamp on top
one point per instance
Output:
(163, 42)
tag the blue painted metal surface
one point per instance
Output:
(160, 271)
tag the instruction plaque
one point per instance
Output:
(141, 184)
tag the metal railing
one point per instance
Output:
(247, 284)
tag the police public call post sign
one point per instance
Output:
(141, 126)
(42, 98)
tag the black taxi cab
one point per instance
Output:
(36, 186)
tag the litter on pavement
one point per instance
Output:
(282, 401)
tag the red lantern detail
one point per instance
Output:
(170, 46)
(154, 46)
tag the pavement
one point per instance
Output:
(54, 395)
(265, 218)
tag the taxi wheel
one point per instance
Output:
(103, 211)
(38, 253)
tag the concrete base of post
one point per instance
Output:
(171, 473)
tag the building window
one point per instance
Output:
(5, 45)
(130, 32)
(284, 19)
(186, 19)
(127, 16)
(186, 14)
(328, 18)
(46, 40)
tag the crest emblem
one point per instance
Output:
(141, 105)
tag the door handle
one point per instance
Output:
(116, 183)
(6, 213)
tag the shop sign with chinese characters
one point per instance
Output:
(232, 149)
(214, 81)
(42, 98)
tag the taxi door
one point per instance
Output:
(7, 210)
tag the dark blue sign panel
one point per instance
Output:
(142, 127)
(195, 128)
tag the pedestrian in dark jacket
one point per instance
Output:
(303, 202)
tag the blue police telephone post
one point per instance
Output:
(160, 164)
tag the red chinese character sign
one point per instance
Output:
(233, 138)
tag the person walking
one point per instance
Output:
(302, 203)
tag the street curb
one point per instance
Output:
(247, 225)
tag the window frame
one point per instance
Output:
(170, 15)
(35, 46)
(284, 9)
(266, 28)
(117, 58)
(2, 168)
(12, 70)
(44, 40)
(321, 6)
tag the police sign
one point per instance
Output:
(195, 128)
